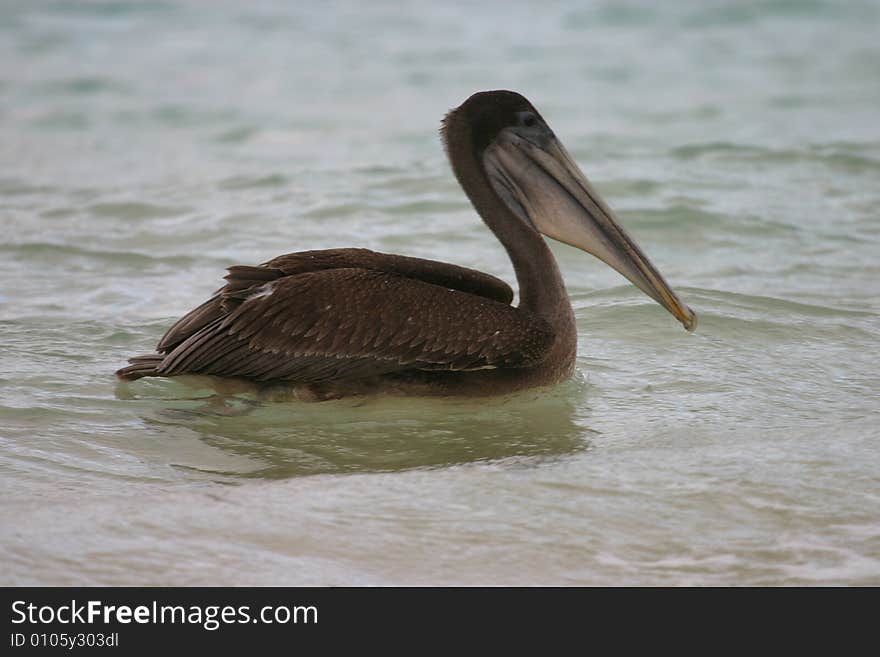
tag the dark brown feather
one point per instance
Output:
(241, 278)
(350, 323)
(349, 313)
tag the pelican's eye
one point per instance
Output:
(527, 119)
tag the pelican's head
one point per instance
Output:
(535, 177)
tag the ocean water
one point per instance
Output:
(148, 145)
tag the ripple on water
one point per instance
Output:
(687, 220)
(847, 157)
(251, 182)
(82, 86)
(729, 314)
(35, 252)
(136, 210)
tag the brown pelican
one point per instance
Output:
(351, 321)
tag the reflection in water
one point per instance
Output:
(289, 439)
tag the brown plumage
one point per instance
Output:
(350, 321)
(348, 313)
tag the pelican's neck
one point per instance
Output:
(541, 289)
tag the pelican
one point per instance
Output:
(340, 322)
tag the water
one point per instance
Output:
(148, 145)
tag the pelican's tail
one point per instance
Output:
(141, 366)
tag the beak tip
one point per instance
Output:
(690, 320)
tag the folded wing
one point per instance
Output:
(284, 322)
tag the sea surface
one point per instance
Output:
(145, 146)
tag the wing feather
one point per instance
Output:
(243, 280)
(353, 322)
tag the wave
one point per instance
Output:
(41, 249)
(848, 156)
(727, 313)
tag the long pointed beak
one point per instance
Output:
(544, 186)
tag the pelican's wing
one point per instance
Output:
(241, 278)
(353, 322)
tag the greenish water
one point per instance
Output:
(148, 145)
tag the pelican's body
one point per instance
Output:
(340, 322)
